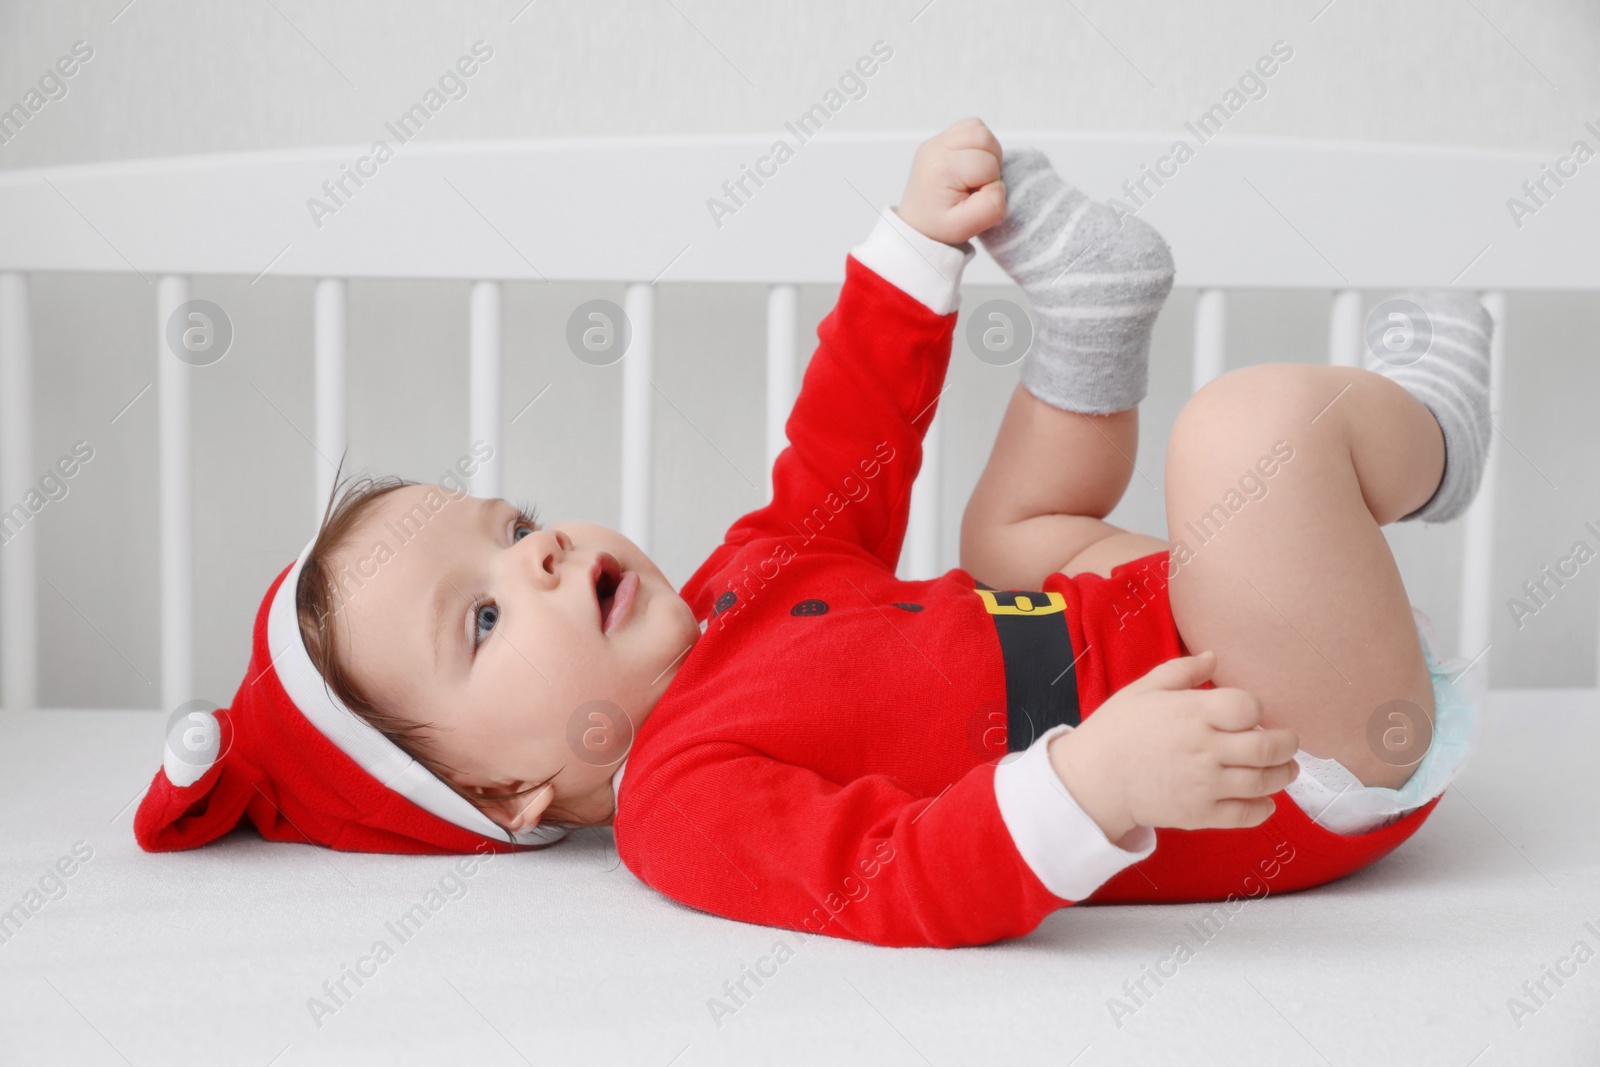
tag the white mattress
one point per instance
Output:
(565, 957)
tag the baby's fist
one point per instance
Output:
(954, 192)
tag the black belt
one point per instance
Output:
(1041, 676)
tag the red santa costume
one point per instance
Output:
(846, 753)
(841, 752)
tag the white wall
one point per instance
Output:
(171, 77)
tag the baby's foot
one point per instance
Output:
(1451, 378)
(1096, 285)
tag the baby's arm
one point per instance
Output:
(725, 828)
(871, 389)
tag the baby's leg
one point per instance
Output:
(1294, 586)
(1066, 449)
(1040, 503)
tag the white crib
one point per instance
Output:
(1241, 213)
(144, 955)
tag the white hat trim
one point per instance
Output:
(184, 771)
(358, 739)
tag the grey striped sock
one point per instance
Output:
(1095, 286)
(1451, 379)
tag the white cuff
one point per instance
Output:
(1064, 846)
(914, 263)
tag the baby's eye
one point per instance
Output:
(521, 528)
(484, 616)
(527, 518)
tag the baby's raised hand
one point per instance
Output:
(1159, 752)
(954, 192)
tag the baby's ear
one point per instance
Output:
(513, 813)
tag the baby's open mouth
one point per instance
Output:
(604, 589)
(615, 590)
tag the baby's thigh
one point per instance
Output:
(1289, 579)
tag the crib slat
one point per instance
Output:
(1477, 554)
(19, 663)
(922, 535)
(483, 389)
(782, 301)
(177, 579)
(1344, 329)
(328, 357)
(1210, 336)
(637, 370)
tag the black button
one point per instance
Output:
(903, 606)
(810, 607)
(726, 601)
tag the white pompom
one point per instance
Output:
(194, 742)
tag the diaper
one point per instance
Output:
(1336, 799)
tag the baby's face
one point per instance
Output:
(471, 619)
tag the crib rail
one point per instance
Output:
(1241, 213)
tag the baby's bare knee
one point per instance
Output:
(1251, 405)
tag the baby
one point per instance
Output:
(796, 737)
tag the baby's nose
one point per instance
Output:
(545, 554)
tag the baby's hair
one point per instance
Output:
(316, 604)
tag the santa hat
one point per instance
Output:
(302, 766)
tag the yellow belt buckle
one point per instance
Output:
(1022, 604)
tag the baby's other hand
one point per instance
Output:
(1160, 752)
(954, 192)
